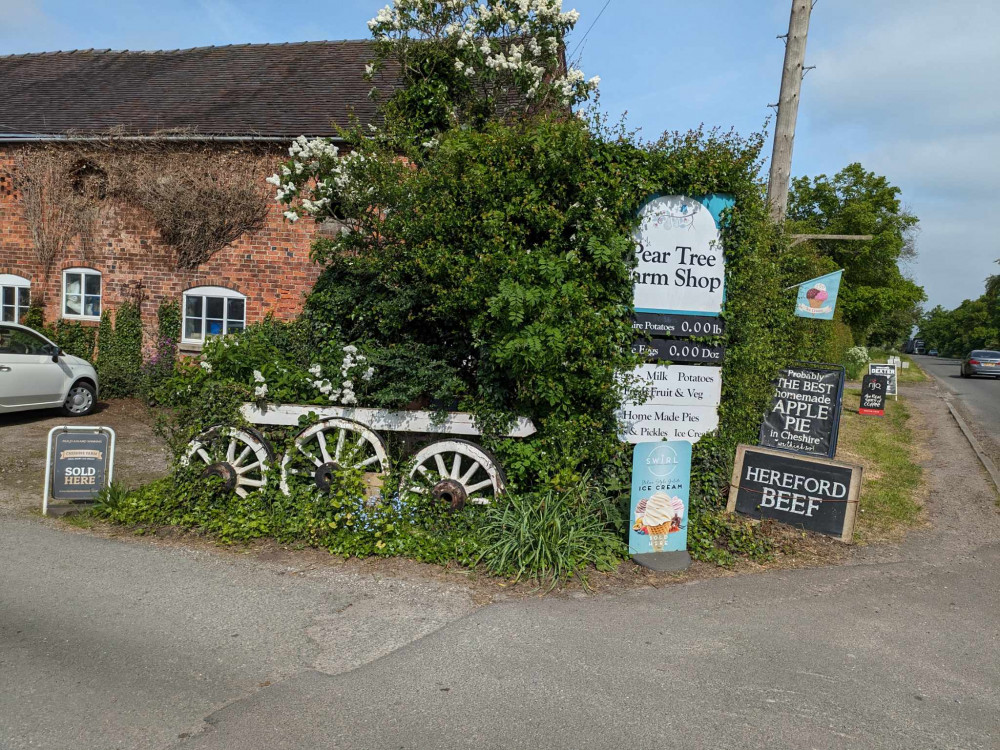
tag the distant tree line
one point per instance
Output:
(974, 324)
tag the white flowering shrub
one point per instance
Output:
(498, 46)
(461, 63)
(855, 360)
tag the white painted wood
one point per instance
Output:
(252, 475)
(679, 385)
(644, 424)
(454, 423)
(368, 443)
(457, 461)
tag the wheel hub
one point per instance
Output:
(323, 476)
(223, 471)
(451, 492)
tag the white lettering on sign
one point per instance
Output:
(680, 266)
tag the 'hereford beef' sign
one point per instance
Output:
(805, 411)
(811, 493)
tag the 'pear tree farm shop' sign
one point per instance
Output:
(675, 402)
(805, 412)
(811, 493)
(680, 267)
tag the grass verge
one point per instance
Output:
(892, 485)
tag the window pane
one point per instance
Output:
(192, 328)
(213, 327)
(92, 283)
(234, 326)
(73, 305)
(6, 295)
(7, 314)
(235, 311)
(92, 306)
(213, 307)
(22, 342)
(192, 307)
(23, 296)
(73, 283)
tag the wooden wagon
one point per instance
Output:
(453, 469)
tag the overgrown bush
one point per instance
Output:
(119, 352)
(855, 361)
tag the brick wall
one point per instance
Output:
(271, 267)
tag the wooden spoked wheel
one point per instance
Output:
(455, 472)
(239, 456)
(328, 446)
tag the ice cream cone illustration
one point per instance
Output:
(817, 296)
(658, 516)
(658, 536)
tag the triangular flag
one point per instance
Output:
(818, 297)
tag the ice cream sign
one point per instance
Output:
(680, 267)
(818, 297)
(661, 479)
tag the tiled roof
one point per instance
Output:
(245, 90)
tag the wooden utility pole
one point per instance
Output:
(788, 108)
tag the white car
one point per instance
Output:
(37, 374)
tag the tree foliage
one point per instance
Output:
(878, 302)
(974, 324)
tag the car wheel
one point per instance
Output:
(80, 401)
(964, 373)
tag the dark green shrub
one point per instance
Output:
(119, 352)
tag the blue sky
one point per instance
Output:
(910, 88)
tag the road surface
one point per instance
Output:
(977, 398)
(112, 644)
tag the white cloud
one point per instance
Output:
(913, 87)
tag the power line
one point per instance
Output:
(590, 28)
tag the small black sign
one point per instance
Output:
(79, 466)
(873, 389)
(675, 350)
(811, 493)
(677, 326)
(805, 412)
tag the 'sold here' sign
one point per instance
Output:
(813, 493)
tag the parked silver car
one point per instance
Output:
(37, 374)
(981, 362)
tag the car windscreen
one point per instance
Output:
(985, 354)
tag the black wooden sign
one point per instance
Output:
(805, 411)
(873, 390)
(675, 350)
(677, 326)
(80, 465)
(811, 493)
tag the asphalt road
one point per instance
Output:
(110, 644)
(978, 398)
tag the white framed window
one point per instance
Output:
(212, 311)
(15, 297)
(81, 294)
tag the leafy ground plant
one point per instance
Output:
(550, 537)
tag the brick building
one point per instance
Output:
(214, 100)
